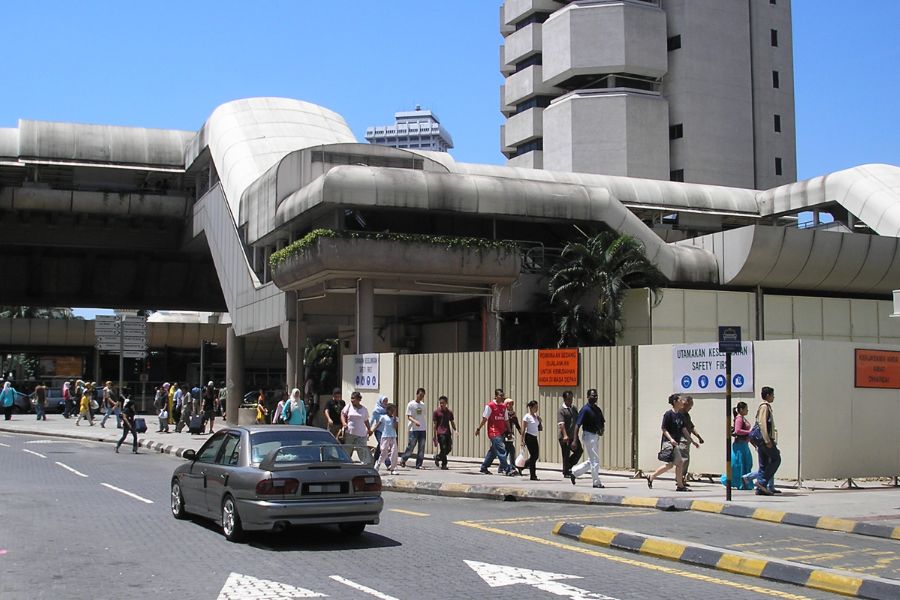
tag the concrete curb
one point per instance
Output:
(829, 580)
(501, 492)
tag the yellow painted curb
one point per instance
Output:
(896, 534)
(706, 506)
(831, 582)
(764, 514)
(593, 535)
(461, 488)
(662, 549)
(836, 524)
(639, 501)
(741, 565)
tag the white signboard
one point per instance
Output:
(365, 372)
(700, 369)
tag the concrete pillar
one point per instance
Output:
(234, 375)
(491, 324)
(365, 316)
(293, 338)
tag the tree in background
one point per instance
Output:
(36, 312)
(588, 285)
(20, 365)
(321, 362)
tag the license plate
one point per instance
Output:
(324, 488)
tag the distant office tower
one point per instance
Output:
(686, 90)
(419, 129)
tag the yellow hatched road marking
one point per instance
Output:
(408, 512)
(637, 563)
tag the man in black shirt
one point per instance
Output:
(592, 424)
(333, 410)
(565, 422)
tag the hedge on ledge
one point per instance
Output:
(449, 242)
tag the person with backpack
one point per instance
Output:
(496, 417)
(766, 444)
(592, 424)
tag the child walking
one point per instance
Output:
(387, 423)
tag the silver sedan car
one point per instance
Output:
(268, 477)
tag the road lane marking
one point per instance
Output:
(582, 516)
(68, 468)
(637, 563)
(408, 512)
(245, 587)
(33, 452)
(127, 493)
(503, 575)
(4, 445)
(362, 588)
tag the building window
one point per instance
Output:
(673, 43)
(678, 175)
(773, 34)
(777, 123)
(772, 2)
(777, 165)
(676, 131)
(775, 80)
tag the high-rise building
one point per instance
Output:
(419, 129)
(685, 90)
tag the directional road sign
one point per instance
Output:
(502, 575)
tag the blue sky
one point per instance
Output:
(168, 64)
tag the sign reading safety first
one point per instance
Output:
(365, 371)
(700, 369)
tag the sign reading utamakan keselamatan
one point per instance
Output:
(877, 369)
(558, 368)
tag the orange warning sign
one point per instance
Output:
(877, 369)
(558, 368)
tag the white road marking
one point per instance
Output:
(244, 587)
(33, 452)
(127, 493)
(362, 588)
(502, 575)
(68, 468)
(45, 442)
(4, 445)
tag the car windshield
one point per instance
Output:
(300, 446)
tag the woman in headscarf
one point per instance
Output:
(294, 411)
(7, 399)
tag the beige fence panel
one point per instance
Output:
(468, 379)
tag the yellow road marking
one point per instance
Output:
(636, 563)
(408, 512)
(836, 524)
(537, 518)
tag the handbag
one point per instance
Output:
(755, 436)
(520, 458)
(94, 405)
(666, 453)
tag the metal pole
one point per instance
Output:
(202, 346)
(728, 426)
(121, 355)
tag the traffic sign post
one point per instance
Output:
(729, 341)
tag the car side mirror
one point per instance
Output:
(189, 455)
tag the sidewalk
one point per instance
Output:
(873, 509)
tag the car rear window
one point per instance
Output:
(263, 442)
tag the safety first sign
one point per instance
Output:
(700, 369)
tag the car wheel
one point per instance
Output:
(177, 501)
(231, 521)
(352, 529)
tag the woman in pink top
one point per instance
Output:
(355, 419)
(741, 457)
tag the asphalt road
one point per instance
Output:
(79, 521)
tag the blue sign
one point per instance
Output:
(703, 381)
(720, 381)
(686, 382)
(738, 381)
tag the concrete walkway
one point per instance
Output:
(872, 509)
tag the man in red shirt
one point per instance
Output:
(496, 418)
(444, 428)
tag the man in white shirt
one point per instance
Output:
(418, 423)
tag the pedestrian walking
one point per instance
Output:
(85, 407)
(692, 433)
(40, 401)
(174, 400)
(261, 412)
(294, 410)
(209, 406)
(333, 410)
(565, 422)
(160, 403)
(592, 424)
(533, 425)
(513, 429)
(767, 449)
(415, 417)
(741, 457)
(379, 410)
(278, 417)
(7, 400)
(128, 426)
(185, 408)
(67, 399)
(444, 430)
(495, 417)
(387, 425)
(355, 420)
(674, 440)
(108, 404)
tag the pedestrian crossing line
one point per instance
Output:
(409, 512)
(4, 445)
(33, 452)
(636, 563)
(68, 468)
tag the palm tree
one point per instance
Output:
(321, 361)
(587, 287)
(35, 312)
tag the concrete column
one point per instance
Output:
(491, 324)
(293, 338)
(365, 316)
(234, 375)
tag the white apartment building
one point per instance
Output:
(419, 129)
(699, 91)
